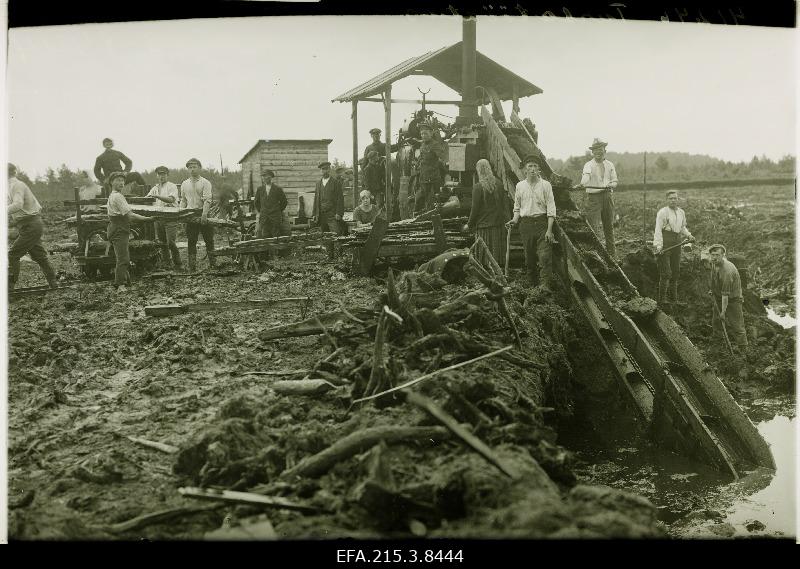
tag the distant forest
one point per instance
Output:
(678, 166)
(661, 167)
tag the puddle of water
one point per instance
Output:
(695, 502)
(786, 321)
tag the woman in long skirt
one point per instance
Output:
(490, 211)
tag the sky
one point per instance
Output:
(169, 91)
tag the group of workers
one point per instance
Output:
(491, 216)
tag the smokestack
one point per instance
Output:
(468, 112)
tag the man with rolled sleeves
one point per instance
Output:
(535, 211)
(118, 232)
(167, 193)
(196, 193)
(110, 161)
(670, 231)
(328, 202)
(726, 290)
(430, 165)
(599, 179)
(25, 213)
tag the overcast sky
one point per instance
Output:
(168, 91)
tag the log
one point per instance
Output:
(278, 372)
(459, 431)
(174, 309)
(302, 387)
(370, 249)
(156, 517)
(358, 442)
(247, 498)
(169, 449)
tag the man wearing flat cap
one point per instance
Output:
(166, 194)
(269, 204)
(328, 202)
(118, 231)
(196, 193)
(535, 212)
(726, 290)
(376, 146)
(109, 161)
(430, 166)
(599, 180)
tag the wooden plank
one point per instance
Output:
(174, 309)
(247, 498)
(370, 249)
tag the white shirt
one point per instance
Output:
(325, 181)
(165, 190)
(195, 193)
(117, 204)
(670, 220)
(598, 174)
(21, 201)
(534, 200)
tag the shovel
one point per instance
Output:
(724, 329)
(681, 244)
(508, 250)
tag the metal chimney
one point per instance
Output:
(468, 112)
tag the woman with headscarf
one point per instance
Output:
(490, 211)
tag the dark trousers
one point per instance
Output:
(537, 249)
(193, 231)
(118, 232)
(29, 241)
(734, 321)
(167, 233)
(669, 266)
(600, 215)
(328, 223)
(423, 199)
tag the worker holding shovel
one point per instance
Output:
(670, 235)
(726, 294)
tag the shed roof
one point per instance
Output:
(292, 140)
(445, 65)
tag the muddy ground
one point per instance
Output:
(87, 369)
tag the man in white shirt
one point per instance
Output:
(196, 194)
(88, 190)
(599, 179)
(24, 213)
(670, 231)
(166, 193)
(535, 211)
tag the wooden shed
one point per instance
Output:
(295, 163)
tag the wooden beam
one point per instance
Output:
(173, 309)
(411, 101)
(355, 154)
(388, 109)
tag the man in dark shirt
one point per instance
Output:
(134, 185)
(377, 146)
(430, 166)
(269, 203)
(375, 178)
(328, 202)
(108, 162)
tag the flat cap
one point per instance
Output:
(597, 143)
(114, 175)
(424, 124)
(193, 161)
(374, 131)
(162, 169)
(718, 246)
(267, 172)
(324, 165)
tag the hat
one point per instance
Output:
(108, 140)
(267, 172)
(324, 165)
(529, 158)
(374, 131)
(194, 161)
(597, 143)
(162, 169)
(424, 124)
(718, 246)
(372, 154)
(12, 170)
(114, 175)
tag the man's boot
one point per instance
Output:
(193, 263)
(662, 291)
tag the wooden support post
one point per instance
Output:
(438, 233)
(387, 105)
(354, 116)
(515, 97)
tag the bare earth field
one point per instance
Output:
(87, 370)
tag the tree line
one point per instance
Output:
(678, 166)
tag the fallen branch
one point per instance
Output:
(437, 372)
(358, 442)
(459, 431)
(278, 372)
(247, 498)
(169, 449)
(331, 339)
(156, 517)
(303, 387)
